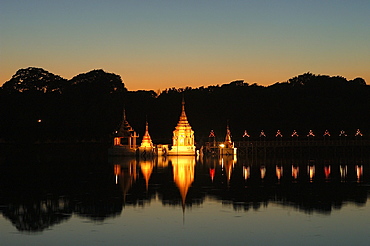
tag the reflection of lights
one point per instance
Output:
(183, 175)
(246, 172)
(146, 169)
(327, 172)
(295, 171)
(263, 172)
(311, 172)
(117, 171)
(279, 172)
(212, 172)
(359, 170)
(343, 172)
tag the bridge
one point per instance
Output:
(348, 147)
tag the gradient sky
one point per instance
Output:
(162, 44)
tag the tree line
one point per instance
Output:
(36, 105)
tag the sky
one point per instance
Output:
(162, 44)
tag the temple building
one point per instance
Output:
(146, 148)
(124, 142)
(183, 136)
(227, 147)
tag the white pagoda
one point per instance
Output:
(183, 137)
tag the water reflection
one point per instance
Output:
(359, 172)
(36, 197)
(311, 171)
(279, 172)
(295, 172)
(146, 167)
(343, 172)
(183, 174)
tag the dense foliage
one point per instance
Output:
(89, 106)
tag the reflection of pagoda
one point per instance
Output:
(125, 173)
(146, 147)
(227, 163)
(124, 140)
(183, 136)
(183, 174)
(146, 169)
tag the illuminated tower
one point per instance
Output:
(146, 147)
(183, 136)
(228, 142)
(227, 147)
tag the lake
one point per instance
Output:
(184, 201)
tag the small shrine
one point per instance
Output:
(124, 142)
(227, 147)
(146, 148)
(183, 136)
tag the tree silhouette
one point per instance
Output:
(90, 106)
(34, 79)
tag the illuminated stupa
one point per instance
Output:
(227, 147)
(146, 148)
(183, 136)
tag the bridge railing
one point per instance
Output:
(300, 143)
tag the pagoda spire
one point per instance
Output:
(228, 136)
(183, 136)
(124, 114)
(147, 141)
(183, 117)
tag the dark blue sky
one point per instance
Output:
(161, 44)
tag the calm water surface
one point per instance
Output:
(184, 201)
